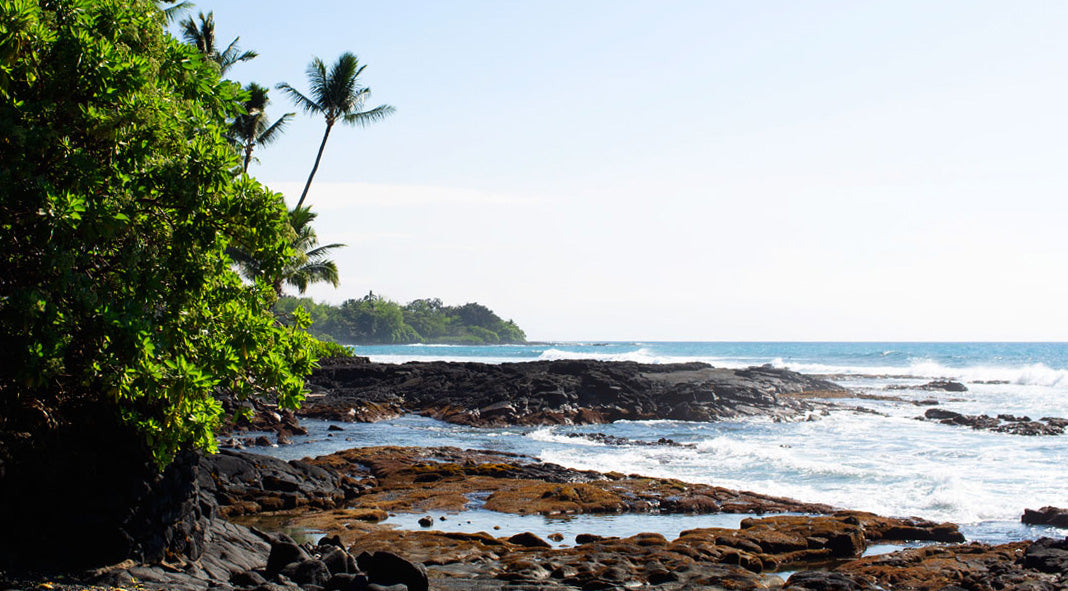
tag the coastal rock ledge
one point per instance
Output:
(555, 392)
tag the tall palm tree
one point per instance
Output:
(310, 263)
(253, 128)
(337, 96)
(202, 37)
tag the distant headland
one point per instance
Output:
(375, 320)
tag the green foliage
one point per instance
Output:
(118, 207)
(309, 263)
(376, 320)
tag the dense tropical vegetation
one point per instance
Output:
(309, 263)
(122, 202)
(373, 319)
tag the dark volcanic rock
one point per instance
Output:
(386, 568)
(1003, 423)
(1055, 516)
(529, 540)
(944, 385)
(613, 440)
(284, 554)
(556, 392)
(249, 483)
(936, 385)
(821, 580)
(1047, 555)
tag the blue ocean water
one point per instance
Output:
(1039, 363)
(870, 455)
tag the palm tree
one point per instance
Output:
(170, 13)
(202, 37)
(253, 128)
(310, 263)
(336, 95)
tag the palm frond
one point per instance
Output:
(321, 251)
(190, 32)
(232, 55)
(201, 36)
(268, 136)
(325, 272)
(171, 13)
(302, 102)
(318, 81)
(365, 118)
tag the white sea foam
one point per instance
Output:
(1035, 374)
(642, 355)
(397, 359)
(549, 435)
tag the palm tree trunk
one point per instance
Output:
(318, 157)
(248, 156)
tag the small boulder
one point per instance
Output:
(820, 580)
(307, 572)
(1055, 516)
(346, 582)
(249, 578)
(386, 568)
(336, 560)
(283, 554)
(1047, 555)
(945, 386)
(426, 521)
(938, 414)
(529, 540)
(591, 538)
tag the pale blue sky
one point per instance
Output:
(692, 170)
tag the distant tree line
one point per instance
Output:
(373, 319)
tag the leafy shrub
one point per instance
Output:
(118, 205)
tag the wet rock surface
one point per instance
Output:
(970, 566)
(614, 440)
(555, 392)
(417, 479)
(934, 386)
(1054, 516)
(1003, 423)
(337, 494)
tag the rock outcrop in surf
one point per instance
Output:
(555, 392)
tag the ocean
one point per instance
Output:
(874, 456)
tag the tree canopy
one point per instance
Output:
(118, 207)
(374, 319)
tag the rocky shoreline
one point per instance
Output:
(348, 496)
(234, 504)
